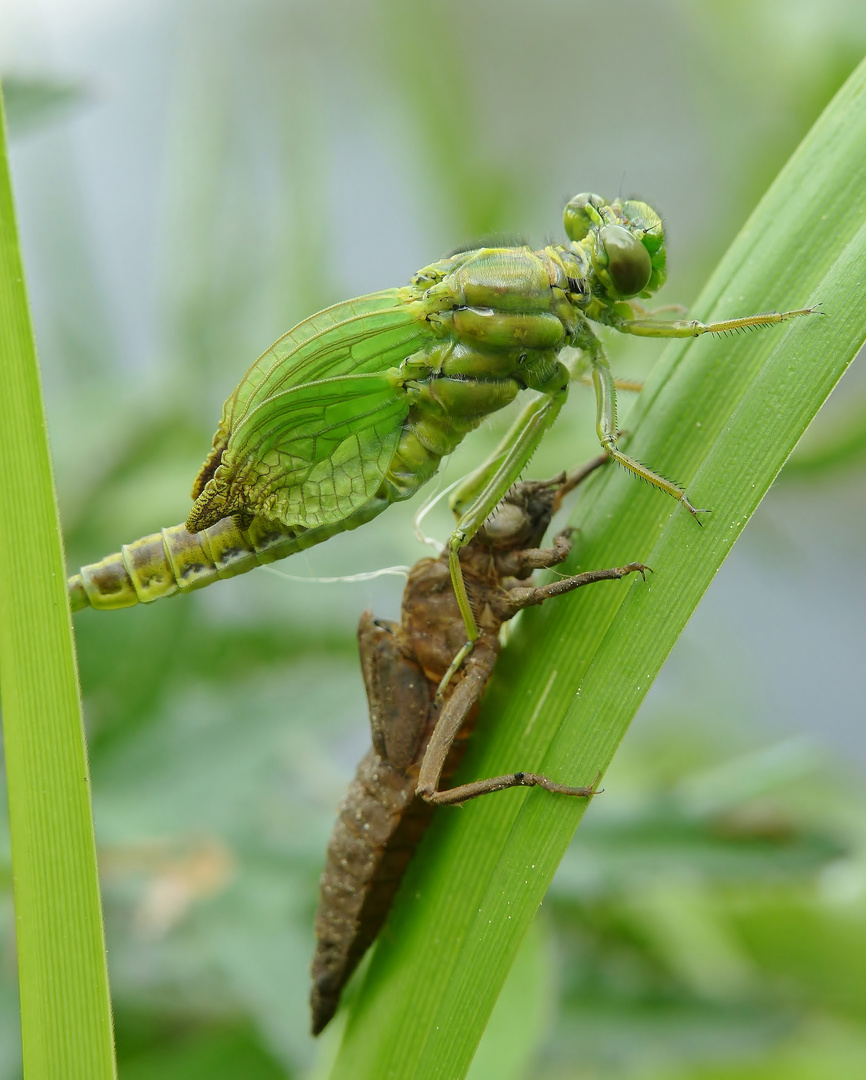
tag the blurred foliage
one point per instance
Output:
(709, 920)
(236, 168)
(33, 103)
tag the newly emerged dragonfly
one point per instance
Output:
(418, 743)
(355, 407)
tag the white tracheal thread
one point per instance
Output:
(343, 579)
(425, 509)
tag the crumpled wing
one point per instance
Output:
(309, 455)
(369, 334)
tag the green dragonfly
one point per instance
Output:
(355, 407)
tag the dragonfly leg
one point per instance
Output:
(523, 596)
(451, 719)
(477, 498)
(694, 328)
(464, 792)
(605, 391)
(633, 386)
(454, 713)
(576, 477)
(605, 424)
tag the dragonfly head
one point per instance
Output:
(625, 241)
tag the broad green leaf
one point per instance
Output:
(721, 416)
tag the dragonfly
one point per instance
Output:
(355, 407)
(418, 741)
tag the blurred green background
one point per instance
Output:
(193, 178)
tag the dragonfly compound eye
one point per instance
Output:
(581, 214)
(629, 264)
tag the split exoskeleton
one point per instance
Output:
(418, 741)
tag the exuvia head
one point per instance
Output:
(625, 241)
(522, 518)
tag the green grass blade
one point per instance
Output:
(720, 415)
(63, 979)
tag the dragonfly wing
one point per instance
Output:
(369, 334)
(309, 455)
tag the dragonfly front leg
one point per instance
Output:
(476, 499)
(605, 424)
(694, 328)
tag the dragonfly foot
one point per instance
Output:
(693, 510)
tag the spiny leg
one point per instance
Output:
(605, 387)
(486, 488)
(694, 328)
(605, 425)
(472, 488)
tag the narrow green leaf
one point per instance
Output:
(720, 415)
(65, 1007)
(522, 1014)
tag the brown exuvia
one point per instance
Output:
(418, 741)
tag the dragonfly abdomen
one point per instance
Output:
(175, 560)
(162, 564)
